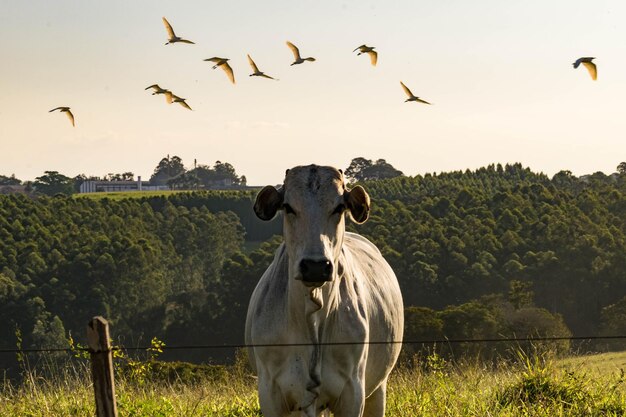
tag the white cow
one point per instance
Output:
(325, 287)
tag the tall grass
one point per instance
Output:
(70, 393)
(534, 386)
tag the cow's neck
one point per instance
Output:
(309, 309)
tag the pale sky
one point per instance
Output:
(498, 73)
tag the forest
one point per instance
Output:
(500, 251)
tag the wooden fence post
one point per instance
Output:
(102, 367)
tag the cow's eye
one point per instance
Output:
(288, 209)
(339, 209)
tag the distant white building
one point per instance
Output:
(113, 186)
(126, 186)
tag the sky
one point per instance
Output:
(498, 73)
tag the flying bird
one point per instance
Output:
(65, 110)
(412, 97)
(223, 63)
(171, 36)
(591, 67)
(296, 54)
(173, 98)
(364, 49)
(256, 71)
(156, 89)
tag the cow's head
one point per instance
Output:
(314, 200)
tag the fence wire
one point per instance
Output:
(387, 342)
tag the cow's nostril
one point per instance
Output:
(315, 270)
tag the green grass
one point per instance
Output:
(71, 396)
(599, 364)
(579, 386)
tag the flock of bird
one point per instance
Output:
(223, 64)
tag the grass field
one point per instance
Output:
(581, 386)
(600, 364)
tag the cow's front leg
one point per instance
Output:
(375, 403)
(271, 399)
(351, 401)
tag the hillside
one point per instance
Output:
(479, 254)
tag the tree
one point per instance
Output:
(225, 172)
(172, 172)
(4, 180)
(613, 319)
(382, 170)
(222, 174)
(521, 294)
(621, 168)
(126, 176)
(529, 322)
(167, 169)
(357, 167)
(362, 169)
(52, 182)
(81, 178)
(185, 181)
(420, 324)
(563, 178)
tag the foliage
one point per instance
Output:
(166, 169)
(138, 370)
(147, 269)
(171, 171)
(52, 182)
(613, 319)
(455, 237)
(490, 318)
(222, 174)
(362, 169)
(125, 176)
(5, 180)
(497, 252)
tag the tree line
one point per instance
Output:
(457, 236)
(499, 251)
(170, 171)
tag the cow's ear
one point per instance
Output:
(358, 202)
(268, 202)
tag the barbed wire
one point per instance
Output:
(386, 342)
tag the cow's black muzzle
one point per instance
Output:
(316, 270)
